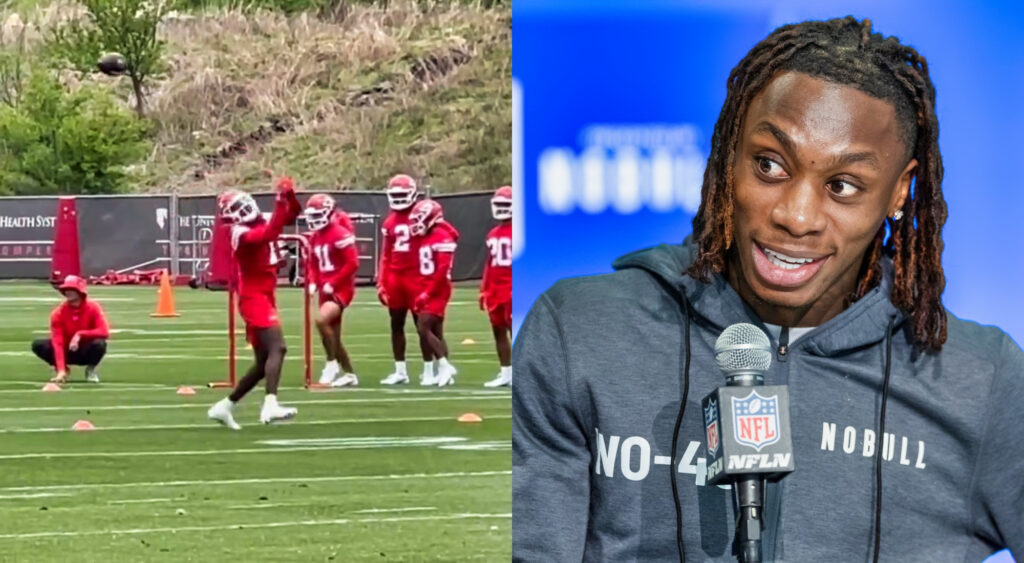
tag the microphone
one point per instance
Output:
(746, 426)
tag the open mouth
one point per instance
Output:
(785, 270)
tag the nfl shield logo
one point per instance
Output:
(756, 420)
(711, 426)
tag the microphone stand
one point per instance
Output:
(748, 491)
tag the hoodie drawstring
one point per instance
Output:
(881, 439)
(685, 356)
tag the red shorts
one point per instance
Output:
(259, 311)
(402, 289)
(435, 306)
(342, 296)
(501, 315)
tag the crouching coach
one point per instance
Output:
(78, 333)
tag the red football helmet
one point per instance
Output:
(402, 192)
(236, 206)
(424, 215)
(501, 203)
(318, 211)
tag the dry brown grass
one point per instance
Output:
(348, 94)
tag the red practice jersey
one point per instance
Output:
(257, 255)
(436, 256)
(334, 259)
(496, 286)
(401, 250)
(86, 321)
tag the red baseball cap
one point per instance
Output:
(74, 282)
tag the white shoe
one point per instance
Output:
(427, 380)
(272, 412)
(445, 376)
(499, 381)
(91, 375)
(347, 380)
(221, 412)
(328, 374)
(395, 379)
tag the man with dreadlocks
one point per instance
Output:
(820, 222)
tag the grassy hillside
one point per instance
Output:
(344, 100)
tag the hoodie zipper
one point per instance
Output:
(783, 351)
(773, 541)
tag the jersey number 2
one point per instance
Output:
(401, 238)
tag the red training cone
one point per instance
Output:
(184, 390)
(51, 387)
(83, 425)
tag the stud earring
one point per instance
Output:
(898, 215)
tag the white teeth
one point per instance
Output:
(785, 262)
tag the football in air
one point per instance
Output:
(112, 64)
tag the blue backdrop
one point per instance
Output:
(614, 103)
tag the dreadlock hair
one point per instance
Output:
(845, 51)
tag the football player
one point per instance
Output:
(398, 278)
(332, 275)
(256, 254)
(496, 287)
(437, 242)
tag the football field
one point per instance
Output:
(366, 474)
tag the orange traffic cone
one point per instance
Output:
(51, 387)
(185, 390)
(165, 299)
(470, 417)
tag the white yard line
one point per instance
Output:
(378, 443)
(34, 495)
(385, 510)
(243, 526)
(139, 501)
(77, 386)
(452, 396)
(214, 426)
(260, 481)
(243, 357)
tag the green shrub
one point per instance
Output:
(60, 142)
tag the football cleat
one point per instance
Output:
(424, 215)
(347, 380)
(91, 375)
(328, 374)
(395, 379)
(501, 380)
(319, 210)
(445, 376)
(427, 380)
(272, 412)
(221, 412)
(501, 203)
(401, 192)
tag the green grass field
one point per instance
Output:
(367, 474)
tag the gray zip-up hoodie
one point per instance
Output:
(599, 367)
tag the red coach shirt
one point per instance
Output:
(87, 321)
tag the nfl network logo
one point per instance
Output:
(711, 426)
(756, 420)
